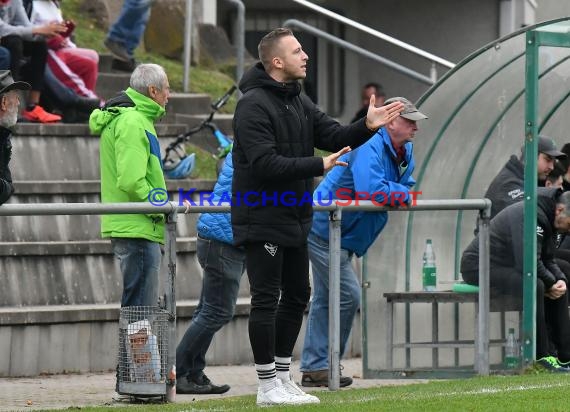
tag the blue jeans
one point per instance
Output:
(315, 350)
(129, 27)
(140, 265)
(223, 266)
(4, 58)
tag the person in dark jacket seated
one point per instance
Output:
(223, 265)
(506, 270)
(9, 106)
(276, 129)
(508, 186)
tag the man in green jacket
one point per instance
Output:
(131, 172)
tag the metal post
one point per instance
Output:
(170, 302)
(335, 217)
(482, 335)
(530, 171)
(187, 46)
(239, 39)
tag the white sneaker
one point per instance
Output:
(277, 396)
(291, 387)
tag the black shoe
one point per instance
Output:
(321, 378)
(117, 49)
(124, 66)
(199, 386)
(86, 104)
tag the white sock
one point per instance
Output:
(266, 376)
(282, 366)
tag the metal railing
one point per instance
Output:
(239, 40)
(172, 209)
(359, 50)
(412, 49)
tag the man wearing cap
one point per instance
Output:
(381, 168)
(506, 271)
(9, 106)
(508, 186)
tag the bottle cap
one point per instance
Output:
(512, 330)
(428, 241)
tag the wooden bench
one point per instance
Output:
(435, 298)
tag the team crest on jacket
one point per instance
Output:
(539, 231)
(271, 249)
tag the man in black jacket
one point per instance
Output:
(276, 130)
(508, 186)
(506, 269)
(9, 106)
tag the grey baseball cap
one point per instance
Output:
(547, 146)
(410, 111)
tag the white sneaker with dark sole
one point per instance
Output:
(291, 387)
(277, 395)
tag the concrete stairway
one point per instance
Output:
(60, 284)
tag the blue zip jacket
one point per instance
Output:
(372, 168)
(218, 226)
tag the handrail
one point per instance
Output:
(335, 209)
(359, 50)
(239, 39)
(376, 33)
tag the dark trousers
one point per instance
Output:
(550, 314)
(280, 291)
(35, 52)
(223, 266)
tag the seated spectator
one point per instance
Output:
(508, 186)
(25, 41)
(556, 177)
(4, 58)
(506, 271)
(75, 67)
(368, 90)
(566, 165)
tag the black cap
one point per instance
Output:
(7, 83)
(547, 146)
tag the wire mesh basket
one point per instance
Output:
(143, 350)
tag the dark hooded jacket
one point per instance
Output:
(276, 130)
(6, 187)
(506, 240)
(507, 187)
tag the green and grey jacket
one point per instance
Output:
(130, 163)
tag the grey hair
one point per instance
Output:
(146, 75)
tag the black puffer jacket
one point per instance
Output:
(506, 240)
(276, 130)
(6, 187)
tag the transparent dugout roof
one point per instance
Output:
(477, 116)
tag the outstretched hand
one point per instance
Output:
(332, 160)
(379, 116)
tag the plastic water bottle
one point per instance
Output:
(429, 272)
(512, 351)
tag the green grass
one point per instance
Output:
(542, 392)
(210, 80)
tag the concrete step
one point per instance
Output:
(62, 273)
(65, 151)
(109, 84)
(82, 227)
(188, 103)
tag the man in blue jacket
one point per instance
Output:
(223, 265)
(379, 170)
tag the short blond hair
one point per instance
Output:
(266, 47)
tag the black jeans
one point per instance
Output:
(28, 59)
(550, 314)
(280, 291)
